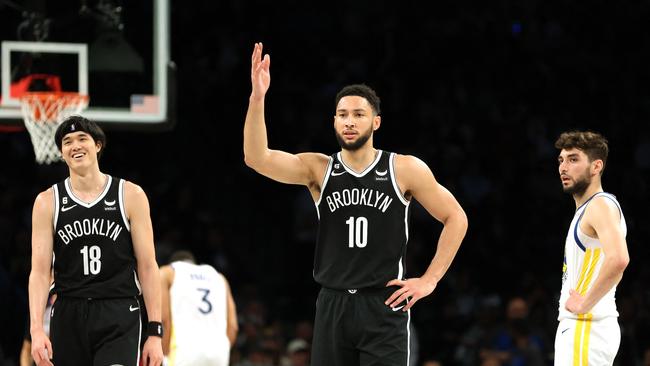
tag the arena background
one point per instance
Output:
(478, 91)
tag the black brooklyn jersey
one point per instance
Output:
(93, 252)
(363, 226)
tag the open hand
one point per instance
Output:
(260, 72)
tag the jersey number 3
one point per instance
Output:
(357, 231)
(205, 299)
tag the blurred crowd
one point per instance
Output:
(480, 94)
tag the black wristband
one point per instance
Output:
(155, 329)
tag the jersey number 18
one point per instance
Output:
(91, 258)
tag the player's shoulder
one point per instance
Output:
(316, 164)
(131, 187)
(44, 205)
(134, 195)
(409, 163)
(604, 203)
(209, 268)
(602, 208)
(45, 198)
(167, 273)
(46, 194)
(314, 158)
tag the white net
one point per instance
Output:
(43, 112)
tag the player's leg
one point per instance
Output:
(331, 344)
(384, 333)
(564, 342)
(202, 349)
(116, 331)
(604, 340)
(585, 342)
(69, 333)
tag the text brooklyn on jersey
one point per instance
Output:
(93, 252)
(363, 225)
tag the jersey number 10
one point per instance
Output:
(357, 231)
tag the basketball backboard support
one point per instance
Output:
(116, 52)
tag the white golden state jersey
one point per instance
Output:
(583, 258)
(198, 300)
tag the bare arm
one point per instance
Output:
(442, 205)
(137, 208)
(275, 164)
(39, 278)
(232, 326)
(416, 180)
(166, 280)
(25, 354)
(603, 217)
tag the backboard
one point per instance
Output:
(115, 51)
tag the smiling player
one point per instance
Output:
(96, 233)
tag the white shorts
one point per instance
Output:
(207, 351)
(587, 342)
(199, 359)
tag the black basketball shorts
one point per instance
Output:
(97, 332)
(355, 327)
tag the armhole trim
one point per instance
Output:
(393, 178)
(55, 215)
(120, 195)
(328, 171)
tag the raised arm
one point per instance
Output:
(137, 209)
(39, 278)
(278, 165)
(603, 216)
(416, 180)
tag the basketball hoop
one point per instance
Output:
(43, 112)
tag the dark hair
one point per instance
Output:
(76, 124)
(182, 255)
(360, 90)
(593, 144)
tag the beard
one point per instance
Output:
(579, 186)
(354, 145)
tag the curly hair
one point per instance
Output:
(593, 144)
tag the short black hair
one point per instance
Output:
(360, 90)
(182, 255)
(78, 123)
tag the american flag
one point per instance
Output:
(144, 103)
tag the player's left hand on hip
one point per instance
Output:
(575, 303)
(411, 290)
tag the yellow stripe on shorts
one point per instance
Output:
(581, 340)
(576, 341)
(585, 346)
